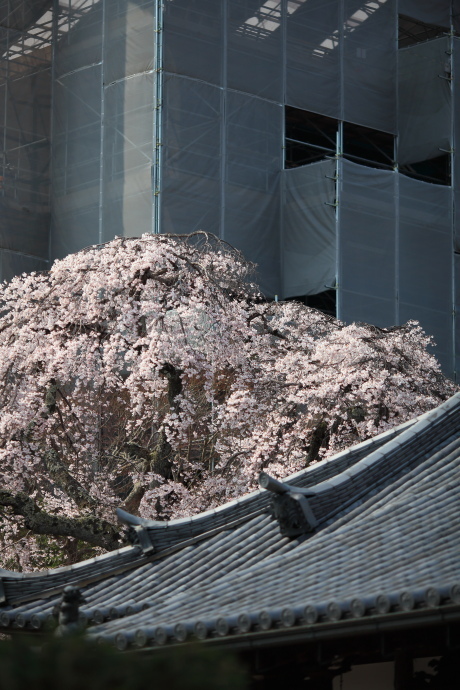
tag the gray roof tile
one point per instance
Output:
(388, 533)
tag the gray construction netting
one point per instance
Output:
(226, 70)
(457, 310)
(309, 229)
(456, 134)
(25, 106)
(341, 60)
(396, 256)
(103, 123)
(222, 174)
(429, 11)
(223, 120)
(394, 237)
(425, 101)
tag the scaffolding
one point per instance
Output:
(318, 137)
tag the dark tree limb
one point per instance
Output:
(90, 529)
(132, 502)
(318, 438)
(160, 458)
(64, 480)
(173, 377)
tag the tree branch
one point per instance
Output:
(91, 529)
(59, 474)
(131, 503)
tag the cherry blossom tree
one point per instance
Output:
(148, 373)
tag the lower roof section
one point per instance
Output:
(381, 550)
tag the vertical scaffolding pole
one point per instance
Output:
(101, 164)
(223, 127)
(453, 115)
(5, 68)
(283, 19)
(339, 159)
(157, 118)
(338, 190)
(396, 170)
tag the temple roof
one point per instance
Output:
(368, 537)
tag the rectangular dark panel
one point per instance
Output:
(425, 107)
(252, 175)
(425, 262)
(308, 233)
(369, 63)
(254, 48)
(437, 12)
(313, 56)
(194, 39)
(367, 244)
(191, 178)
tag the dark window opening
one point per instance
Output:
(368, 146)
(311, 128)
(309, 137)
(302, 154)
(436, 170)
(413, 31)
(324, 301)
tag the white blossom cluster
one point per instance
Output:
(154, 363)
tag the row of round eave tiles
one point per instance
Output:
(96, 615)
(310, 614)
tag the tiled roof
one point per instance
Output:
(381, 543)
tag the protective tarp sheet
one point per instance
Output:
(341, 59)
(14, 263)
(456, 15)
(22, 14)
(367, 243)
(254, 48)
(22, 229)
(194, 39)
(74, 223)
(26, 180)
(425, 107)
(456, 117)
(79, 38)
(191, 164)
(129, 38)
(456, 194)
(77, 129)
(2, 107)
(76, 160)
(369, 63)
(313, 56)
(308, 233)
(24, 202)
(127, 160)
(428, 11)
(457, 316)
(28, 109)
(252, 182)
(425, 261)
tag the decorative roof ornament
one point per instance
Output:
(68, 611)
(290, 506)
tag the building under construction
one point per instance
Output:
(318, 136)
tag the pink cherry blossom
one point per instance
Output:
(150, 373)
